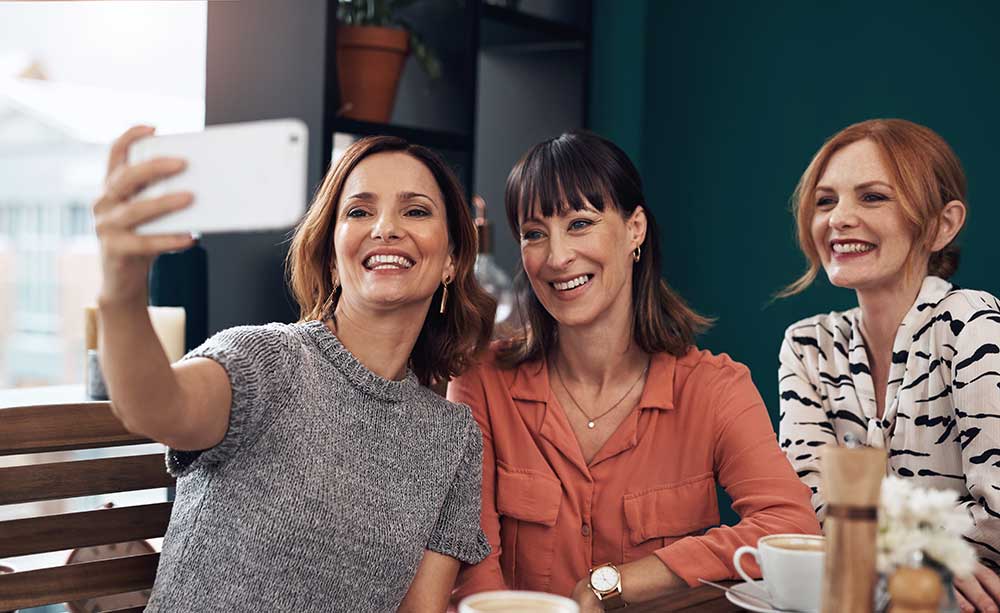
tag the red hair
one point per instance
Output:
(925, 172)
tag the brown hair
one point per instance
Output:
(447, 342)
(566, 173)
(926, 174)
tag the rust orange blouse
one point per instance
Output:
(550, 516)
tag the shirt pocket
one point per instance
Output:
(528, 502)
(658, 516)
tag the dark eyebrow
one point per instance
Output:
(409, 195)
(366, 196)
(873, 184)
(823, 188)
(404, 196)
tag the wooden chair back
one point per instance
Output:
(92, 425)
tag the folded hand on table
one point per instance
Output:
(586, 598)
(980, 591)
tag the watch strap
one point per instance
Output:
(612, 601)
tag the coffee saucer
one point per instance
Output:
(735, 593)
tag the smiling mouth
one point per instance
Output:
(852, 247)
(565, 286)
(388, 262)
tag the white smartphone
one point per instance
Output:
(245, 177)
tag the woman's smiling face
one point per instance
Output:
(863, 239)
(579, 263)
(391, 238)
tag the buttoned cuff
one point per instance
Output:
(690, 560)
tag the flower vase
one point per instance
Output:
(949, 603)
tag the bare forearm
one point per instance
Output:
(431, 587)
(642, 580)
(648, 578)
(147, 394)
(144, 391)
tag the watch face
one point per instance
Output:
(604, 579)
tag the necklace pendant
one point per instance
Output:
(590, 425)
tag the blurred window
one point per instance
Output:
(73, 76)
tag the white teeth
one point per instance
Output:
(385, 262)
(852, 247)
(565, 285)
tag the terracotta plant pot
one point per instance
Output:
(369, 62)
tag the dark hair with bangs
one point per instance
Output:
(563, 174)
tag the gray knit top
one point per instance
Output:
(327, 488)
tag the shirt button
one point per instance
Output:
(585, 530)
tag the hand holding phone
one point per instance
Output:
(125, 256)
(244, 177)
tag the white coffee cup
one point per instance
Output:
(511, 601)
(792, 566)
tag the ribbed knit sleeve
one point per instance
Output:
(331, 480)
(258, 360)
(457, 532)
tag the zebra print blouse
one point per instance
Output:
(941, 424)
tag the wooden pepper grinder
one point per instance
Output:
(852, 479)
(915, 590)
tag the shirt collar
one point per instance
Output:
(659, 390)
(530, 381)
(932, 291)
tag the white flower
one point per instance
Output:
(916, 521)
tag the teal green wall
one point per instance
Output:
(723, 103)
(618, 73)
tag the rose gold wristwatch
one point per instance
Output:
(606, 582)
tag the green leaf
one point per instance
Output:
(427, 59)
(384, 13)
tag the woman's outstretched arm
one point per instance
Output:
(185, 406)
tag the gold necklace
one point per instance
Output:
(591, 421)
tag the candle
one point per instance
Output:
(92, 376)
(90, 327)
(168, 322)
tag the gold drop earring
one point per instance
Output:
(444, 294)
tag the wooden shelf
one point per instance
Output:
(437, 139)
(501, 27)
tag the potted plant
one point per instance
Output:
(373, 42)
